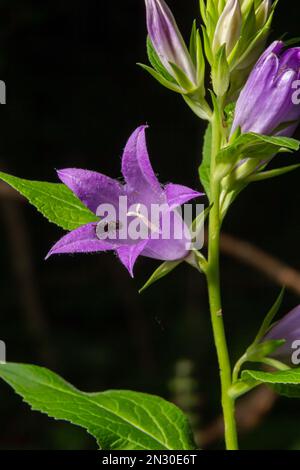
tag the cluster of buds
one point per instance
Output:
(265, 117)
(235, 34)
(268, 104)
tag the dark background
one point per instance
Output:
(74, 95)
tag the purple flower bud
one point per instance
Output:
(267, 102)
(167, 39)
(288, 329)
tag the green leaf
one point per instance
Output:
(163, 270)
(55, 201)
(119, 420)
(253, 145)
(285, 382)
(204, 170)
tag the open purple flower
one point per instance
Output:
(266, 105)
(288, 329)
(141, 190)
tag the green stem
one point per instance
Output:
(213, 280)
(274, 363)
(237, 367)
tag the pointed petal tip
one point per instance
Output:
(61, 171)
(142, 128)
(177, 195)
(48, 255)
(128, 255)
(131, 273)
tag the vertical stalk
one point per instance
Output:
(213, 280)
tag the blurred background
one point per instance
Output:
(74, 95)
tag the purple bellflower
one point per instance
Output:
(141, 188)
(267, 103)
(288, 329)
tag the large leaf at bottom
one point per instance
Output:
(119, 420)
(54, 200)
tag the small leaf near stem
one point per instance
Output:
(251, 353)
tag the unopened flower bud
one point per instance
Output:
(287, 329)
(167, 40)
(228, 28)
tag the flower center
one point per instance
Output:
(138, 213)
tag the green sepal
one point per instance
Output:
(258, 351)
(157, 64)
(212, 10)
(192, 46)
(220, 72)
(266, 175)
(198, 223)
(163, 270)
(161, 79)
(249, 25)
(207, 46)
(200, 63)
(202, 10)
(198, 105)
(182, 79)
(266, 324)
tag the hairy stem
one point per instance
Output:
(213, 280)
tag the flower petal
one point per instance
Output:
(91, 188)
(82, 240)
(136, 166)
(177, 194)
(174, 240)
(128, 254)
